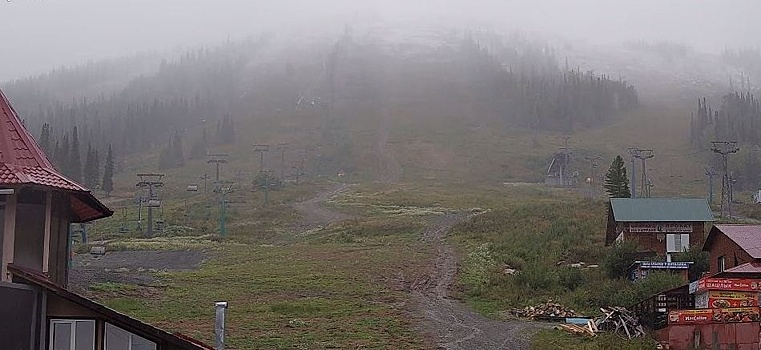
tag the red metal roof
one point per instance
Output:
(751, 267)
(22, 162)
(748, 237)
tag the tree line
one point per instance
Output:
(738, 118)
(545, 96)
(65, 153)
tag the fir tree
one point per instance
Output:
(95, 169)
(616, 181)
(108, 173)
(75, 160)
(45, 139)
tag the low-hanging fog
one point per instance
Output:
(39, 35)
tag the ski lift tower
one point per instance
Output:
(152, 182)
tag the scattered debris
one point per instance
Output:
(587, 330)
(620, 321)
(550, 311)
(508, 270)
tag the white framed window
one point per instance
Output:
(677, 242)
(721, 263)
(72, 334)
(119, 339)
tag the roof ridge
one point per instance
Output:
(11, 153)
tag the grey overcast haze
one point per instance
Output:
(39, 35)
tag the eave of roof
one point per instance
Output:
(22, 162)
(661, 210)
(110, 315)
(747, 237)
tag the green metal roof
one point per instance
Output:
(660, 209)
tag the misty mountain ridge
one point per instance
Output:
(479, 77)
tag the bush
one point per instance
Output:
(536, 277)
(570, 278)
(700, 259)
(619, 258)
(654, 283)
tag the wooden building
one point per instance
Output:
(37, 206)
(731, 246)
(658, 225)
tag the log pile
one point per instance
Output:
(620, 321)
(544, 311)
(615, 319)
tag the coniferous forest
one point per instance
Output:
(507, 81)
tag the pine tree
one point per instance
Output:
(75, 160)
(63, 156)
(89, 168)
(95, 168)
(108, 173)
(178, 157)
(616, 181)
(45, 139)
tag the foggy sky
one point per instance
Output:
(39, 35)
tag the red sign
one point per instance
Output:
(717, 299)
(739, 285)
(729, 315)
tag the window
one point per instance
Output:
(720, 264)
(119, 339)
(677, 242)
(72, 335)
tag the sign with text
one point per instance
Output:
(717, 299)
(653, 227)
(729, 284)
(727, 315)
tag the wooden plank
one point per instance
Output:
(46, 239)
(9, 236)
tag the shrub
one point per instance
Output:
(536, 277)
(619, 258)
(654, 283)
(700, 259)
(570, 278)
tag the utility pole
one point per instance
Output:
(223, 192)
(204, 178)
(725, 148)
(643, 155)
(261, 149)
(282, 147)
(633, 175)
(218, 160)
(298, 167)
(266, 176)
(566, 151)
(594, 162)
(710, 172)
(152, 181)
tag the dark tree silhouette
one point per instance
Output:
(616, 181)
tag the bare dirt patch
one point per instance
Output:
(129, 267)
(448, 322)
(314, 214)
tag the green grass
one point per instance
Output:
(541, 238)
(317, 293)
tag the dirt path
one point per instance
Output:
(130, 267)
(313, 214)
(451, 323)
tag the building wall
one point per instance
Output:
(723, 246)
(59, 239)
(648, 241)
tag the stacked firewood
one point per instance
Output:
(546, 310)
